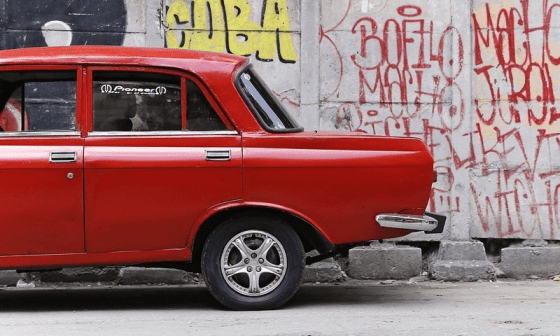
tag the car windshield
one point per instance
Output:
(264, 103)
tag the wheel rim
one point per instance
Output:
(253, 263)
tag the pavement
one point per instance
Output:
(353, 307)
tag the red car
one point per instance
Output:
(174, 158)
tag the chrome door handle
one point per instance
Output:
(62, 157)
(218, 155)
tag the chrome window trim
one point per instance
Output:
(38, 134)
(160, 133)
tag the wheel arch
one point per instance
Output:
(310, 235)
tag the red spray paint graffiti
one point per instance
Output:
(503, 51)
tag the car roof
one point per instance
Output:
(216, 71)
(116, 55)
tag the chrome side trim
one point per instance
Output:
(38, 134)
(160, 133)
(408, 222)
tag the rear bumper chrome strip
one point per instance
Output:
(408, 222)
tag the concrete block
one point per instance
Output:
(141, 275)
(463, 270)
(522, 262)
(462, 261)
(10, 277)
(323, 271)
(451, 250)
(384, 261)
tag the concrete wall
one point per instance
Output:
(476, 80)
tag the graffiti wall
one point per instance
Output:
(232, 26)
(516, 62)
(69, 22)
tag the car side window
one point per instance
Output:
(138, 101)
(201, 116)
(37, 101)
(133, 101)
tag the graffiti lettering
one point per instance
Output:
(388, 74)
(510, 68)
(218, 25)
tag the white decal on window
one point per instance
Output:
(119, 89)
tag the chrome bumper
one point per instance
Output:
(430, 222)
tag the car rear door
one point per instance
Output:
(41, 161)
(158, 153)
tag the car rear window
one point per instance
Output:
(265, 105)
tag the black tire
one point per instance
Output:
(266, 276)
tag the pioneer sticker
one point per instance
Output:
(120, 89)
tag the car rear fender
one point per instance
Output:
(310, 233)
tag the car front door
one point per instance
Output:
(158, 154)
(41, 162)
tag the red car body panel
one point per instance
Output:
(141, 198)
(38, 201)
(340, 182)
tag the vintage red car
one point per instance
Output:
(184, 159)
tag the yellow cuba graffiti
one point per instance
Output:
(226, 25)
